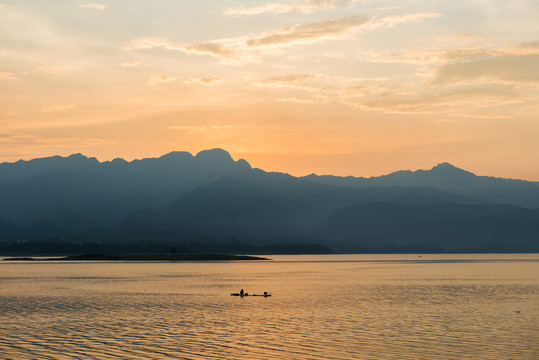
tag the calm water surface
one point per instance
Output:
(323, 307)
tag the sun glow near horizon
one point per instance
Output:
(333, 87)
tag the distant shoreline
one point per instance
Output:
(143, 257)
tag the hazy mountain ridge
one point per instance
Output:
(452, 227)
(179, 197)
(447, 177)
(106, 192)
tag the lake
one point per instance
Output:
(475, 306)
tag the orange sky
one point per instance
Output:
(343, 87)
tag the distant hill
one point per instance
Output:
(237, 208)
(103, 193)
(209, 198)
(221, 210)
(440, 227)
(449, 178)
(9, 229)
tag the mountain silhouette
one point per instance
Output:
(451, 227)
(237, 208)
(105, 192)
(9, 229)
(449, 178)
(181, 198)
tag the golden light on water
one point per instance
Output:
(325, 306)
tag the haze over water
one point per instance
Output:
(330, 306)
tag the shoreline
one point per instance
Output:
(142, 257)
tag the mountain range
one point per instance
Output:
(210, 198)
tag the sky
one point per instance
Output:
(343, 87)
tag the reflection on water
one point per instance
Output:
(323, 307)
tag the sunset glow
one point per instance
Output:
(342, 87)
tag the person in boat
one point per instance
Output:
(265, 293)
(241, 292)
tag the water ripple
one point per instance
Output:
(317, 311)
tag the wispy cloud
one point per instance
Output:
(427, 56)
(383, 94)
(94, 6)
(297, 100)
(303, 7)
(487, 116)
(389, 22)
(162, 79)
(533, 46)
(248, 48)
(206, 81)
(446, 53)
(320, 82)
(148, 43)
(33, 140)
(458, 100)
(215, 49)
(308, 33)
(239, 50)
(487, 64)
(134, 64)
(513, 68)
(7, 75)
(209, 48)
(323, 88)
(297, 81)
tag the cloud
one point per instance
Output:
(533, 46)
(459, 38)
(459, 100)
(57, 108)
(232, 48)
(409, 56)
(209, 48)
(512, 68)
(148, 43)
(298, 100)
(162, 79)
(297, 81)
(445, 53)
(382, 94)
(7, 75)
(206, 81)
(426, 56)
(319, 82)
(32, 140)
(94, 6)
(248, 48)
(323, 88)
(303, 7)
(133, 64)
(487, 116)
(308, 33)
(215, 49)
(392, 21)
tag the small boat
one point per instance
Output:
(246, 294)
